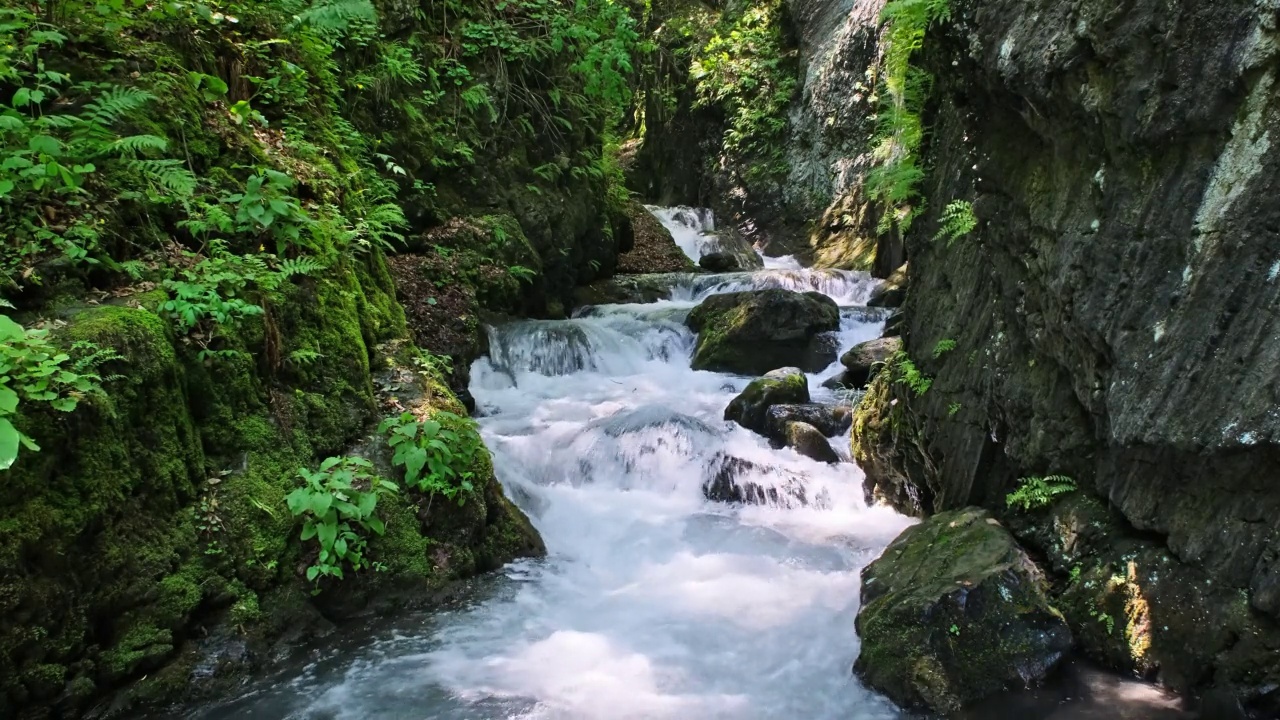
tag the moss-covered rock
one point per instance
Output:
(783, 386)
(830, 420)
(754, 332)
(954, 611)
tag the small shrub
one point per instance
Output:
(436, 453)
(338, 503)
(32, 369)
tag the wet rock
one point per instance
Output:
(753, 332)
(719, 262)
(628, 289)
(810, 442)
(830, 420)
(783, 386)
(893, 326)
(653, 249)
(734, 480)
(732, 244)
(954, 611)
(864, 358)
(892, 292)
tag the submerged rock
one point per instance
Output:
(954, 611)
(783, 386)
(830, 420)
(752, 332)
(719, 262)
(728, 482)
(810, 442)
(863, 358)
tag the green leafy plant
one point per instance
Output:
(899, 129)
(943, 347)
(436, 453)
(1038, 492)
(910, 375)
(33, 369)
(957, 221)
(338, 504)
(266, 207)
(953, 408)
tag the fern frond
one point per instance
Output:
(134, 144)
(335, 17)
(299, 266)
(115, 104)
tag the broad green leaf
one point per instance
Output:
(367, 503)
(10, 331)
(8, 400)
(328, 533)
(9, 436)
(319, 503)
(44, 144)
(308, 531)
(340, 547)
(376, 525)
(413, 462)
(312, 572)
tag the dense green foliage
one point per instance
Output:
(33, 369)
(197, 201)
(746, 71)
(900, 129)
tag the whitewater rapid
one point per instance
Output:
(653, 602)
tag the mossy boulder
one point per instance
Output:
(749, 409)
(809, 442)
(863, 359)
(954, 611)
(753, 332)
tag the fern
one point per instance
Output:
(134, 144)
(910, 375)
(336, 17)
(299, 266)
(957, 221)
(943, 347)
(169, 175)
(115, 104)
(1037, 492)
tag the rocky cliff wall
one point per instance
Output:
(1114, 314)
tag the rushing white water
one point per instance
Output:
(653, 603)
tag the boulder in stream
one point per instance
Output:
(830, 420)
(719, 262)
(810, 442)
(752, 332)
(864, 358)
(735, 480)
(784, 386)
(954, 611)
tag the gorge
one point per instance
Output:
(402, 358)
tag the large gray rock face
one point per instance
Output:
(754, 331)
(953, 612)
(1114, 312)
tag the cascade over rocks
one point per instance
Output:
(749, 408)
(653, 249)
(752, 332)
(954, 611)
